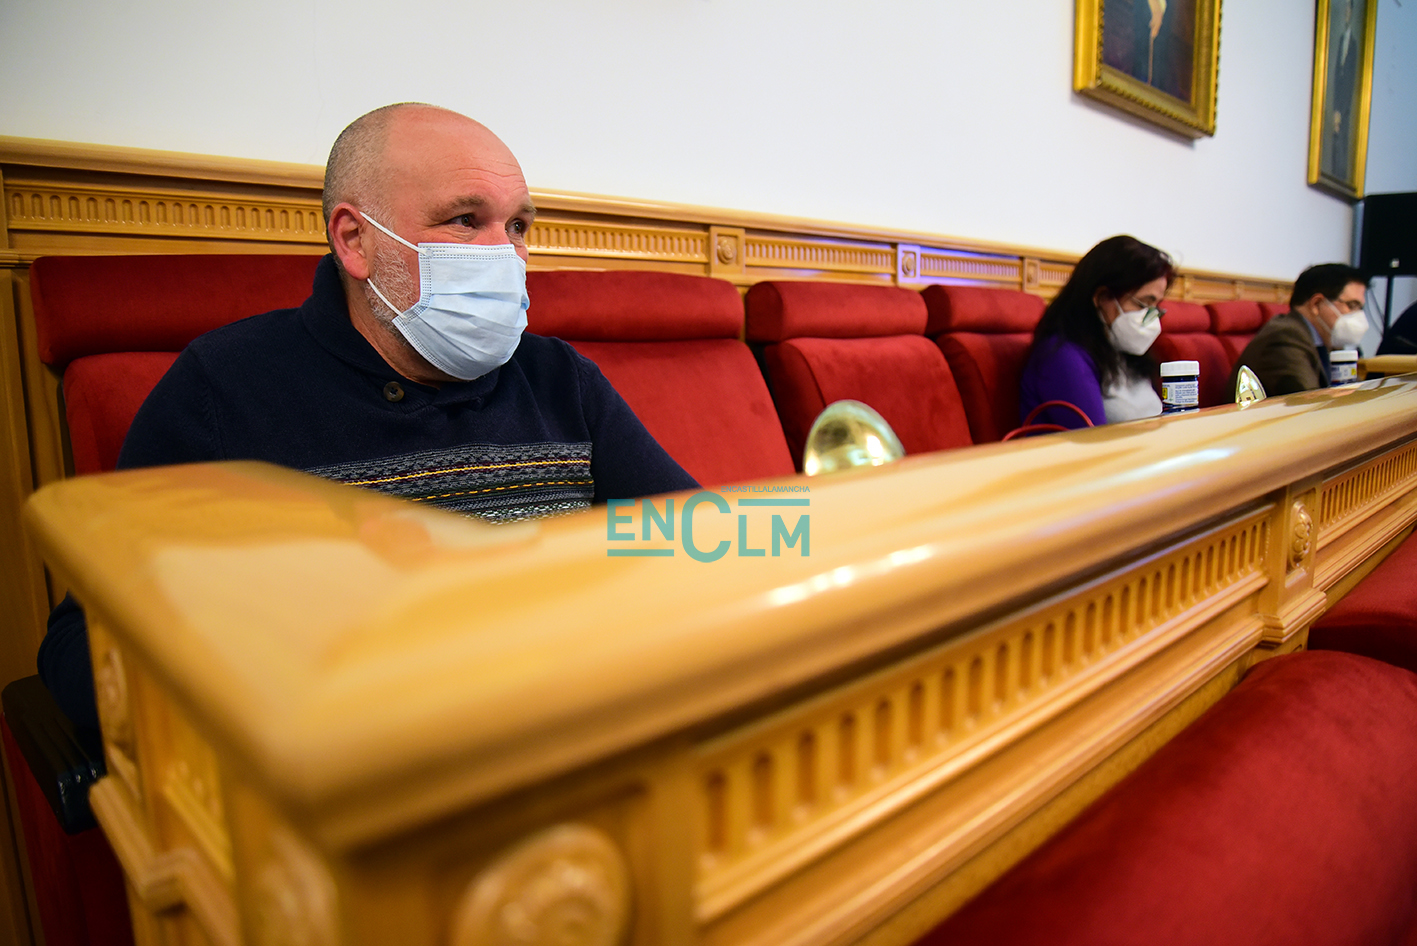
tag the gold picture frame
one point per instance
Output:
(1343, 94)
(1157, 59)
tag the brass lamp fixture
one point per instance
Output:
(849, 434)
(1248, 389)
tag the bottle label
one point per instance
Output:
(1180, 394)
(1343, 372)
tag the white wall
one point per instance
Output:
(946, 117)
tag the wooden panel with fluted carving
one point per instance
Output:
(1368, 485)
(130, 211)
(786, 790)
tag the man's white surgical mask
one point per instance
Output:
(1349, 330)
(471, 308)
(1130, 332)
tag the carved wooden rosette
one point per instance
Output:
(566, 886)
(294, 897)
(727, 249)
(1300, 534)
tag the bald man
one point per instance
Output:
(408, 369)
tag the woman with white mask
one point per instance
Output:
(1090, 347)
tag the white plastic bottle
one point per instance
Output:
(1180, 386)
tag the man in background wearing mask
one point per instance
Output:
(407, 370)
(1290, 353)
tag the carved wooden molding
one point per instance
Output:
(786, 790)
(65, 197)
(1301, 533)
(1349, 496)
(115, 709)
(557, 237)
(567, 886)
(822, 255)
(294, 896)
(168, 880)
(191, 785)
(154, 212)
(938, 265)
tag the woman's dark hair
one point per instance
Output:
(1120, 265)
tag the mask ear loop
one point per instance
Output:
(391, 233)
(385, 298)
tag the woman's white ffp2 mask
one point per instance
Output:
(1131, 332)
(471, 308)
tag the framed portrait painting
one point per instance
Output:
(1343, 83)
(1157, 59)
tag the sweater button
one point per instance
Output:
(393, 393)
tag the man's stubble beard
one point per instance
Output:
(395, 280)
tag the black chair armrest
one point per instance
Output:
(64, 759)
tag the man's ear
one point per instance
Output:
(1312, 303)
(347, 240)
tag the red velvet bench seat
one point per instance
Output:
(1378, 618)
(1284, 815)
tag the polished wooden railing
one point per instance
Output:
(333, 717)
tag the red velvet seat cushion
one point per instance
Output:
(903, 377)
(1186, 336)
(631, 306)
(88, 305)
(1235, 323)
(985, 335)
(1283, 815)
(1378, 618)
(777, 311)
(102, 394)
(704, 401)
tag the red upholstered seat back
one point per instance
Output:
(1186, 336)
(113, 325)
(828, 342)
(1236, 322)
(985, 335)
(670, 345)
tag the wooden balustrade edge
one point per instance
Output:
(303, 680)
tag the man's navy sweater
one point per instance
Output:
(302, 388)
